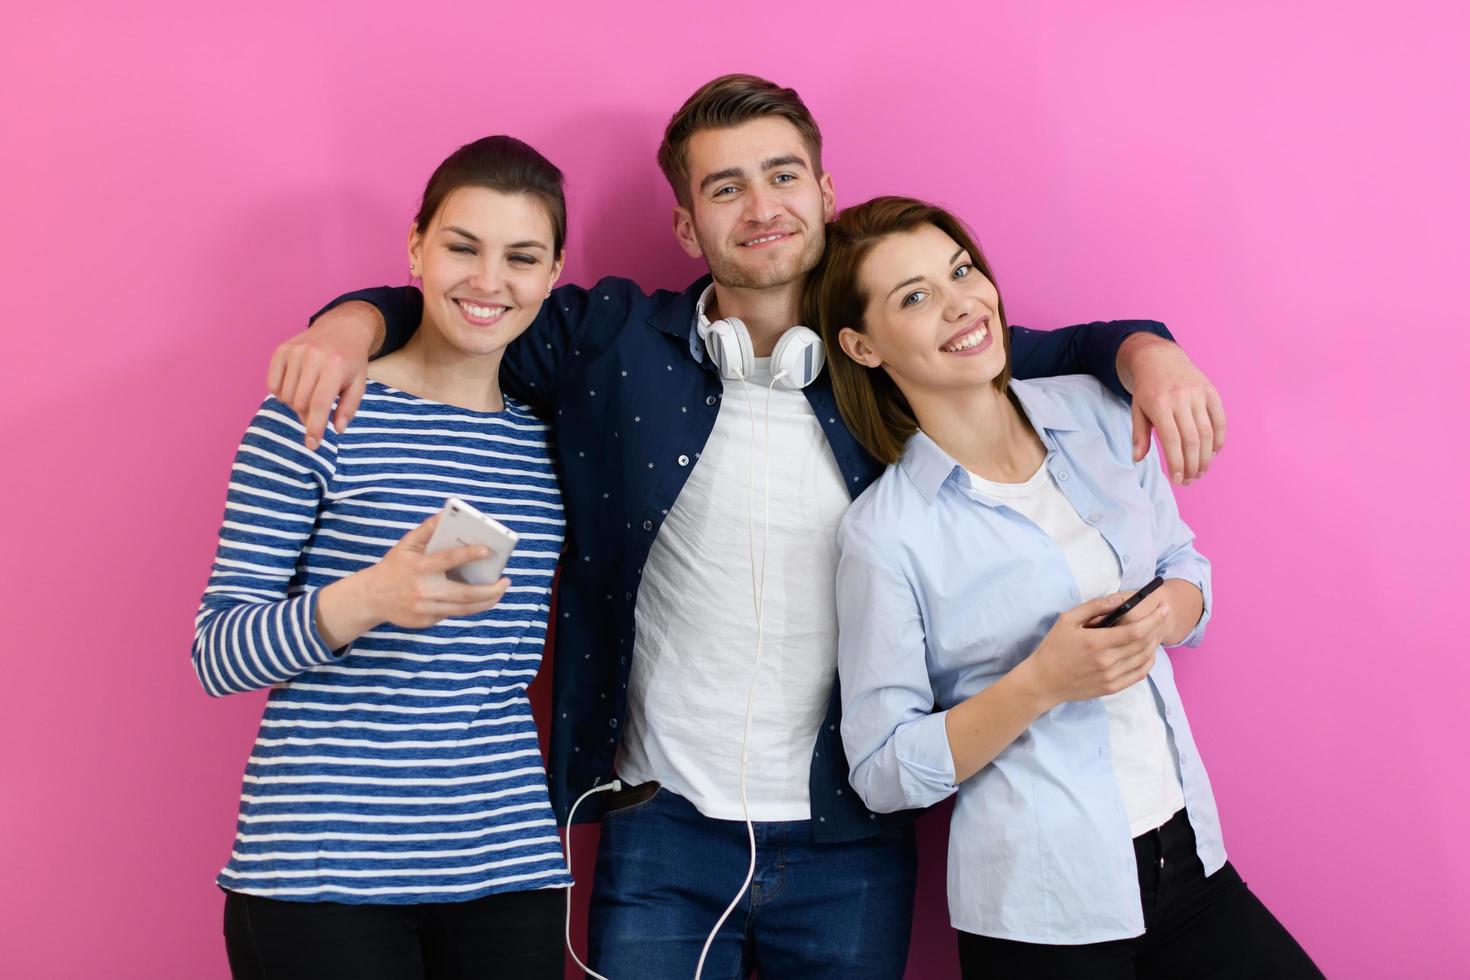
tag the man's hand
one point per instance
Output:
(327, 363)
(1176, 400)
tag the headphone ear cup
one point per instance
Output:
(801, 355)
(728, 344)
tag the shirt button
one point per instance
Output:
(612, 723)
(1093, 517)
(683, 460)
(1062, 475)
(1126, 559)
(648, 525)
(710, 400)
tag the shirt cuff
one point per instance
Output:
(1197, 576)
(925, 764)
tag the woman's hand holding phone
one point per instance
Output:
(407, 588)
(1075, 663)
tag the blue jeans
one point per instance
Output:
(665, 872)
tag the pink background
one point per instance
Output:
(1283, 184)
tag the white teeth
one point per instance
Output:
(762, 241)
(484, 312)
(967, 341)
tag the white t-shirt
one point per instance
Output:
(696, 624)
(1143, 760)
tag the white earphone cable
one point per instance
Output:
(614, 786)
(757, 583)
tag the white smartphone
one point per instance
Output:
(460, 524)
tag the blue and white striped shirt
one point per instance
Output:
(404, 768)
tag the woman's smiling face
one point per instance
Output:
(932, 319)
(487, 263)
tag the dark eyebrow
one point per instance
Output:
(789, 160)
(906, 282)
(526, 244)
(720, 175)
(916, 279)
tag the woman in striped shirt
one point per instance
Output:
(394, 819)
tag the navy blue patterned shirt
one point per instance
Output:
(623, 375)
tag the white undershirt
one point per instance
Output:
(1143, 761)
(696, 626)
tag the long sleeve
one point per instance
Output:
(402, 308)
(572, 318)
(1089, 348)
(253, 630)
(896, 744)
(1177, 555)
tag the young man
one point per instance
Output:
(670, 547)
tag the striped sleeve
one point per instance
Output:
(254, 629)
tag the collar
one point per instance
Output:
(679, 313)
(699, 328)
(929, 467)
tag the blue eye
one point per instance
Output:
(722, 190)
(962, 270)
(784, 178)
(912, 298)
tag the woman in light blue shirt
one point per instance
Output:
(1085, 839)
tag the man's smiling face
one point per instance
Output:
(758, 210)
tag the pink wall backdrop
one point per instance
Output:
(1282, 183)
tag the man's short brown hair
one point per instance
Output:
(729, 101)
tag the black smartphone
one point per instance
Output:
(1112, 618)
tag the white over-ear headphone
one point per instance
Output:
(795, 363)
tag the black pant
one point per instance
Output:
(514, 934)
(1196, 927)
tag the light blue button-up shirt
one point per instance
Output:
(940, 592)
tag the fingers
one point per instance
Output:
(1140, 632)
(1132, 670)
(1094, 608)
(275, 374)
(1143, 610)
(1189, 442)
(307, 374)
(1207, 440)
(453, 558)
(347, 404)
(1216, 409)
(418, 538)
(1169, 445)
(290, 376)
(327, 382)
(1141, 430)
(457, 601)
(464, 595)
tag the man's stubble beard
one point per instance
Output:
(794, 269)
